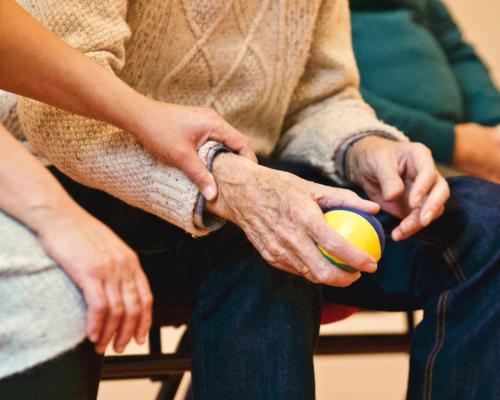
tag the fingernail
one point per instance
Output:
(93, 337)
(120, 349)
(209, 192)
(142, 340)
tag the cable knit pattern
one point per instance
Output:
(281, 72)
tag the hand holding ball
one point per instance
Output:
(360, 229)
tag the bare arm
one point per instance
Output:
(36, 63)
(108, 272)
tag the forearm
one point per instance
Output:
(29, 192)
(65, 78)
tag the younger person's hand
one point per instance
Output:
(107, 271)
(174, 133)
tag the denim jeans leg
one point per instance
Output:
(451, 270)
(254, 330)
(456, 349)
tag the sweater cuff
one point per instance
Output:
(173, 197)
(202, 218)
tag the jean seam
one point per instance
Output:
(440, 338)
(448, 255)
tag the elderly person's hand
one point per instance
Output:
(107, 271)
(402, 177)
(281, 215)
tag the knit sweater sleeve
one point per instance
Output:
(420, 126)
(327, 108)
(94, 153)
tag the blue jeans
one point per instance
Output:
(254, 328)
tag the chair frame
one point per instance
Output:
(169, 368)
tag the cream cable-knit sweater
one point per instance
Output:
(281, 72)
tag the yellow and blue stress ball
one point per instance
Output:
(360, 229)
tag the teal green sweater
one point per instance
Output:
(418, 73)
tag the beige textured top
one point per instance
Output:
(283, 72)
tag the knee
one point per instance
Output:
(474, 202)
(245, 284)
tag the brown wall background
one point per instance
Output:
(480, 21)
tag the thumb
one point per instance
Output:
(198, 173)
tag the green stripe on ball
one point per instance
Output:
(345, 267)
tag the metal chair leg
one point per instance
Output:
(171, 384)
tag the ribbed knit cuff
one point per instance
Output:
(174, 198)
(202, 218)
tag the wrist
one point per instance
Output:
(231, 173)
(358, 152)
(135, 116)
(46, 214)
(464, 150)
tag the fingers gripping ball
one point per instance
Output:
(360, 229)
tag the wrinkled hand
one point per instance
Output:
(174, 133)
(107, 271)
(281, 215)
(402, 178)
(477, 151)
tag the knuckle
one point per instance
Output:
(121, 260)
(134, 310)
(217, 124)
(283, 233)
(274, 249)
(305, 215)
(132, 256)
(423, 149)
(330, 244)
(99, 305)
(117, 310)
(96, 269)
(147, 300)
(180, 153)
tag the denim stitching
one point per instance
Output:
(448, 255)
(452, 261)
(440, 335)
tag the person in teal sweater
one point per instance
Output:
(419, 74)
